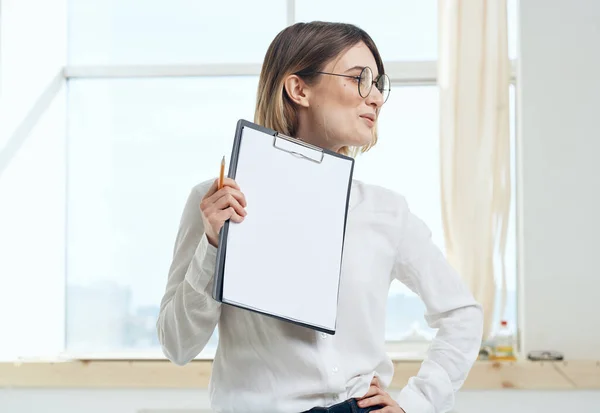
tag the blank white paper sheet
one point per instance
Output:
(285, 258)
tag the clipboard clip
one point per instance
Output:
(317, 159)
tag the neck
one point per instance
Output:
(315, 137)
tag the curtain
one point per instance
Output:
(474, 80)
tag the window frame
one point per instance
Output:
(401, 73)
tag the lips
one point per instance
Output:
(369, 119)
(369, 116)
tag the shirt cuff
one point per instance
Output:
(202, 268)
(412, 402)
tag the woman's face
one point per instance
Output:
(335, 114)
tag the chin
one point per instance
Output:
(363, 135)
(362, 141)
(355, 138)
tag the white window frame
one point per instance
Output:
(401, 73)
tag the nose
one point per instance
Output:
(375, 98)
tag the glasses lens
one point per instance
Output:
(366, 82)
(384, 86)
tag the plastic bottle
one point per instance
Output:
(503, 343)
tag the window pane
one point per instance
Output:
(32, 240)
(29, 60)
(136, 148)
(402, 29)
(172, 32)
(406, 160)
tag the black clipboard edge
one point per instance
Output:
(217, 292)
(222, 247)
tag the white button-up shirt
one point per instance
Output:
(263, 364)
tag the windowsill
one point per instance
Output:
(136, 374)
(406, 350)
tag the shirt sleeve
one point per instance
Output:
(450, 308)
(188, 314)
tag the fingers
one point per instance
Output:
(375, 382)
(226, 207)
(223, 204)
(227, 182)
(229, 213)
(226, 190)
(227, 196)
(220, 205)
(231, 200)
(231, 183)
(373, 390)
(378, 399)
(376, 396)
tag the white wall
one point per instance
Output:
(196, 401)
(559, 86)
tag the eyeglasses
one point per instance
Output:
(366, 82)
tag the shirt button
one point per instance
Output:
(323, 335)
(336, 397)
(335, 369)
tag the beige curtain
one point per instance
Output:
(474, 77)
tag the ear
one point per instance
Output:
(297, 90)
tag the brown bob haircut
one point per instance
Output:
(303, 49)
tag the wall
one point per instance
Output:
(192, 401)
(559, 190)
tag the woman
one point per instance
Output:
(323, 83)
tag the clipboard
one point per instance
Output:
(285, 259)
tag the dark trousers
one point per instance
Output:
(348, 406)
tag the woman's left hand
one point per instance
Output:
(376, 396)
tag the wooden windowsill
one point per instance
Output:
(485, 375)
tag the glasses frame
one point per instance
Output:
(359, 77)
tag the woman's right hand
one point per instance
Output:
(219, 205)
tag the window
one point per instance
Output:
(28, 61)
(142, 76)
(129, 168)
(407, 148)
(32, 242)
(135, 151)
(146, 32)
(32, 177)
(404, 30)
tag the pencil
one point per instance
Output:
(222, 174)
